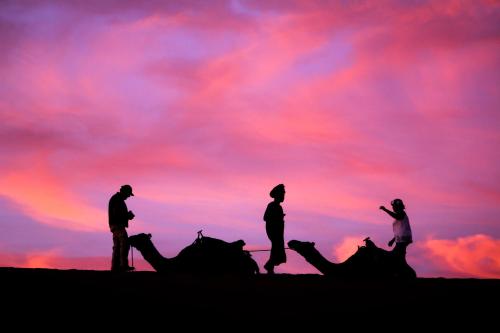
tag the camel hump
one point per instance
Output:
(207, 255)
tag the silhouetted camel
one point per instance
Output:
(205, 256)
(368, 261)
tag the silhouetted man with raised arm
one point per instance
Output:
(402, 231)
(119, 215)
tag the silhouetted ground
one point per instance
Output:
(76, 300)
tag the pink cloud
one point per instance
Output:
(54, 259)
(347, 247)
(48, 201)
(472, 256)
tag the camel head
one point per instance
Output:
(303, 248)
(139, 240)
(238, 244)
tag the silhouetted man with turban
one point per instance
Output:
(275, 227)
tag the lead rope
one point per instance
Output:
(286, 248)
(132, 251)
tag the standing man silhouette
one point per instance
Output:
(275, 227)
(119, 215)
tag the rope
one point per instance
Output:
(132, 250)
(286, 248)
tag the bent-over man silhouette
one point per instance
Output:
(119, 215)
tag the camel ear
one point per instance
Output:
(149, 236)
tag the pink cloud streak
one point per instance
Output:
(53, 259)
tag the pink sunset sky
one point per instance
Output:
(204, 106)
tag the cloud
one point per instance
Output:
(47, 200)
(53, 259)
(471, 256)
(347, 247)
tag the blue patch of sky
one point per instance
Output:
(334, 56)
(43, 21)
(463, 221)
(13, 13)
(196, 45)
(254, 10)
(335, 228)
(239, 7)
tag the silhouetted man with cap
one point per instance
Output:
(119, 215)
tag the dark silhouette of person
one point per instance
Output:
(401, 229)
(119, 215)
(275, 227)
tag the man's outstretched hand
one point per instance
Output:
(391, 242)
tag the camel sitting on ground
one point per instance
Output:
(369, 261)
(205, 255)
